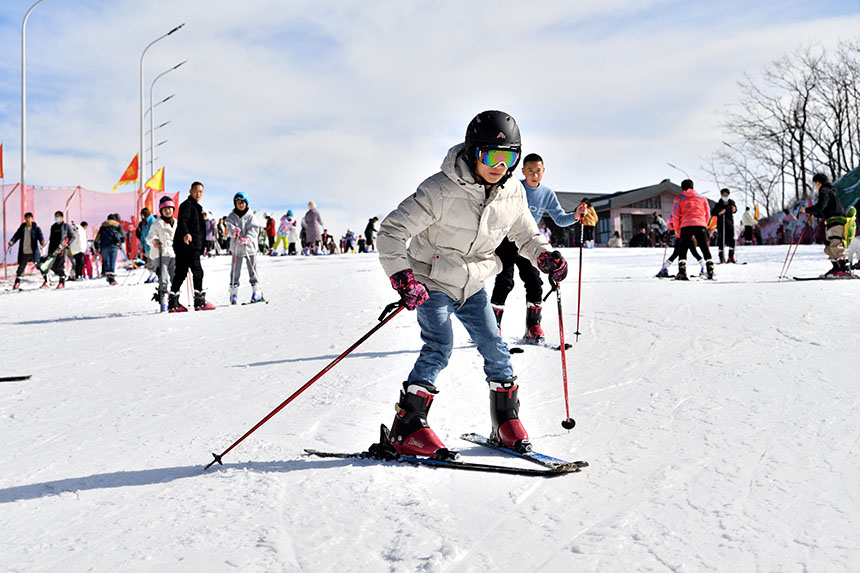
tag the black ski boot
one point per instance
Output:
(709, 265)
(508, 431)
(200, 301)
(682, 271)
(173, 304)
(722, 257)
(410, 434)
(732, 256)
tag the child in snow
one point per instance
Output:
(283, 233)
(690, 214)
(455, 221)
(160, 239)
(293, 238)
(676, 252)
(244, 227)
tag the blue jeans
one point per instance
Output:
(434, 318)
(109, 253)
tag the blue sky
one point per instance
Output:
(352, 104)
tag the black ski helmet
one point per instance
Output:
(493, 129)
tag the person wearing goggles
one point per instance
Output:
(453, 224)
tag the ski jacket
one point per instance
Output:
(727, 219)
(828, 204)
(143, 231)
(36, 237)
(59, 233)
(270, 227)
(590, 218)
(542, 199)
(455, 227)
(248, 227)
(189, 221)
(293, 231)
(370, 230)
(690, 210)
(163, 232)
(748, 220)
(110, 234)
(210, 229)
(285, 226)
(79, 244)
(659, 226)
(313, 225)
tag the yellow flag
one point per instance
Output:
(156, 183)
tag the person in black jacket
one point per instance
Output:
(724, 211)
(31, 237)
(60, 232)
(829, 208)
(370, 234)
(188, 244)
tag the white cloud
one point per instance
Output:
(352, 104)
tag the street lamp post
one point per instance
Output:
(679, 169)
(24, 97)
(140, 160)
(151, 114)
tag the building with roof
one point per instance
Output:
(624, 211)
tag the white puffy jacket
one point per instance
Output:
(455, 229)
(249, 227)
(163, 232)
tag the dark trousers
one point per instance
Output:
(509, 255)
(79, 266)
(22, 263)
(58, 266)
(187, 262)
(676, 252)
(701, 235)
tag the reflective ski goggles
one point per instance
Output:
(493, 156)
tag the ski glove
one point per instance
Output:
(411, 291)
(553, 264)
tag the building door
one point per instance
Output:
(626, 227)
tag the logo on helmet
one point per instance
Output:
(501, 135)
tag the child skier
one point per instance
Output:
(245, 229)
(160, 241)
(455, 221)
(283, 233)
(676, 252)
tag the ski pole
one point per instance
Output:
(802, 232)
(568, 423)
(785, 261)
(388, 313)
(579, 287)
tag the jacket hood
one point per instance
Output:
(456, 168)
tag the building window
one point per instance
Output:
(602, 228)
(649, 203)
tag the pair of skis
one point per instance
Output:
(550, 466)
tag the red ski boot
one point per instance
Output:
(173, 304)
(504, 411)
(200, 301)
(410, 434)
(534, 333)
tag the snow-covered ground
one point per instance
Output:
(719, 419)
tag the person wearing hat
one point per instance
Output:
(293, 236)
(160, 241)
(438, 248)
(724, 211)
(244, 227)
(283, 233)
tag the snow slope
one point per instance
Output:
(719, 418)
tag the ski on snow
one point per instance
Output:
(824, 278)
(15, 378)
(380, 453)
(532, 456)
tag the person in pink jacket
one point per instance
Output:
(690, 215)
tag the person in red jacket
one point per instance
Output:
(690, 214)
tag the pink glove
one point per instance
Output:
(411, 291)
(553, 264)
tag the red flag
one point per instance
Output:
(130, 175)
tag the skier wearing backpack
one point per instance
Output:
(455, 221)
(244, 227)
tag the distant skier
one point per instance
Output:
(690, 214)
(659, 229)
(453, 223)
(829, 208)
(60, 231)
(370, 233)
(162, 234)
(541, 199)
(244, 227)
(283, 233)
(30, 237)
(188, 243)
(724, 211)
(293, 234)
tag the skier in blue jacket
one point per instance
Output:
(541, 199)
